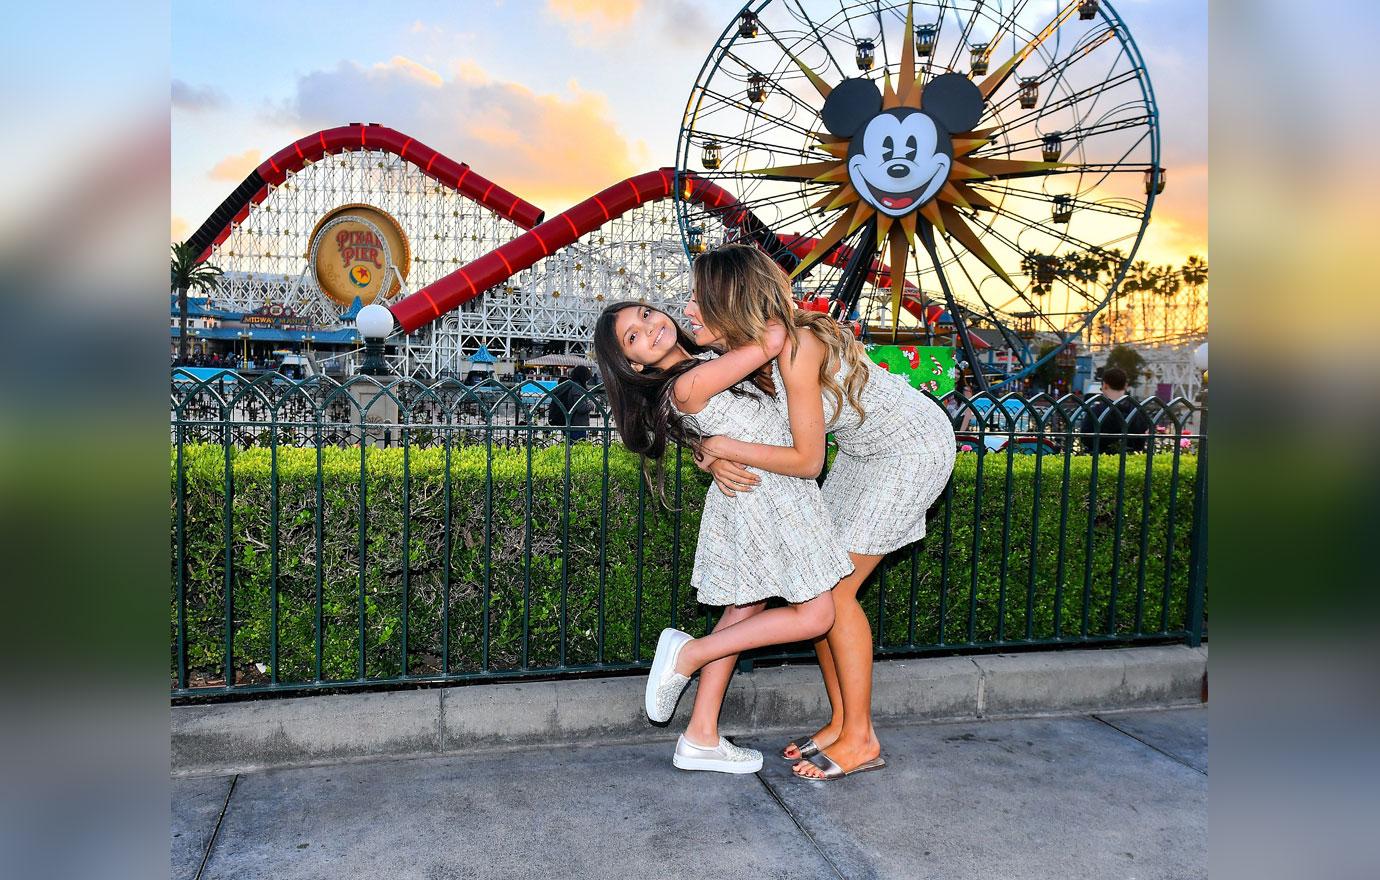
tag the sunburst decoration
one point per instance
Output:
(944, 209)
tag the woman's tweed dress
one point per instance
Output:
(778, 539)
(890, 467)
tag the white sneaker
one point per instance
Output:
(664, 684)
(723, 758)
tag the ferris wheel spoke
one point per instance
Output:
(814, 28)
(977, 288)
(754, 112)
(794, 98)
(1005, 23)
(938, 35)
(963, 37)
(1074, 203)
(747, 145)
(769, 200)
(1053, 71)
(1071, 138)
(1030, 224)
(1051, 76)
(1068, 101)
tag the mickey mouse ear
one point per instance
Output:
(954, 100)
(849, 106)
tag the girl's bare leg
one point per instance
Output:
(703, 729)
(776, 626)
(850, 645)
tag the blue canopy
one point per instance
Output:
(269, 334)
(482, 356)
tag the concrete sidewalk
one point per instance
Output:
(1086, 796)
(252, 735)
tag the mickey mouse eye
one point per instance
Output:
(888, 148)
(911, 147)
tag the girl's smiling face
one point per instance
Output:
(647, 337)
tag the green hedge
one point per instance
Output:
(526, 582)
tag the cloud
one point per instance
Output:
(552, 149)
(234, 168)
(599, 22)
(179, 229)
(194, 99)
(597, 15)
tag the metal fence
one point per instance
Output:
(336, 535)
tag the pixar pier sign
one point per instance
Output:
(359, 251)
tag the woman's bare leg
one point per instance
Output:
(775, 626)
(829, 732)
(850, 645)
(703, 729)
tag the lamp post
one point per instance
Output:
(374, 323)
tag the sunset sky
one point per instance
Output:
(553, 99)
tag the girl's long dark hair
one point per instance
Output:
(640, 400)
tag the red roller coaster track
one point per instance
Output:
(468, 282)
(542, 239)
(357, 136)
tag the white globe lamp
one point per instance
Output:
(374, 322)
(1200, 356)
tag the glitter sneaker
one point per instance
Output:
(723, 758)
(664, 684)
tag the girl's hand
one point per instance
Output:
(732, 478)
(775, 339)
(713, 446)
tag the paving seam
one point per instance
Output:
(215, 833)
(1170, 755)
(803, 830)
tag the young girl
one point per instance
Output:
(895, 455)
(776, 542)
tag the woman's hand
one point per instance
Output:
(703, 459)
(732, 478)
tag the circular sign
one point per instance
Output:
(359, 251)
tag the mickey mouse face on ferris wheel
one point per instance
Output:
(898, 159)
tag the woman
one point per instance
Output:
(894, 445)
(658, 392)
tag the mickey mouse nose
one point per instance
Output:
(897, 170)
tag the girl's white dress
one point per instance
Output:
(776, 540)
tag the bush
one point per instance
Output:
(551, 578)
(995, 591)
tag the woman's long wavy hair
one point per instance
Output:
(740, 289)
(640, 400)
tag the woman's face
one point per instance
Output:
(647, 337)
(703, 335)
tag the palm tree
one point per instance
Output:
(1109, 263)
(1139, 278)
(1167, 285)
(188, 274)
(1195, 275)
(1083, 267)
(1041, 269)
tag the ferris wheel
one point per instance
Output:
(929, 168)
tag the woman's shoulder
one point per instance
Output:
(807, 353)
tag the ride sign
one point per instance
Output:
(359, 251)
